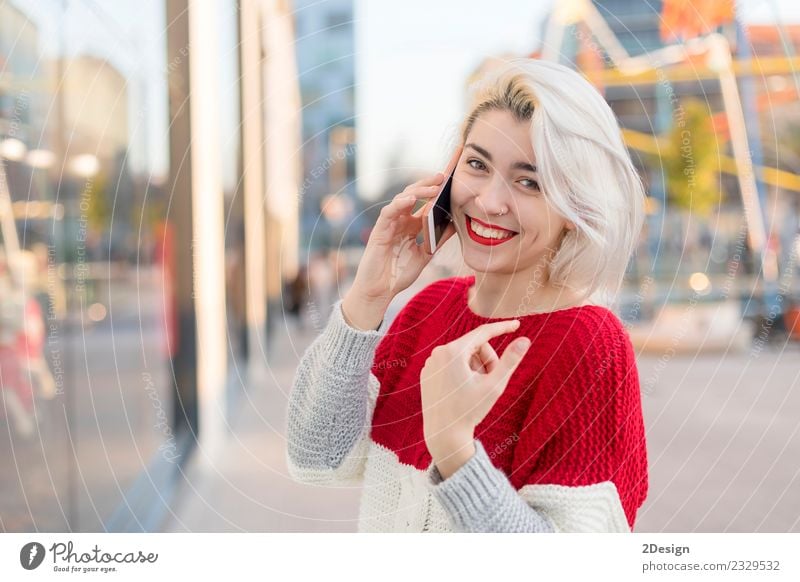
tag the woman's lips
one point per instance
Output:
(482, 239)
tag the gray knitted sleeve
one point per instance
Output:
(478, 497)
(331, 404)
(328, 420)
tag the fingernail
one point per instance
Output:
(522, 345)
(408, 198)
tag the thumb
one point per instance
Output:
(512, 356)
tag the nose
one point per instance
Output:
(493, 199)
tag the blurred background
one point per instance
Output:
(186, 187)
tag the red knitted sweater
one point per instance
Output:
(571, 414)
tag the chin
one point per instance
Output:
(493, 263)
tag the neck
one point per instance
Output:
(518, 294)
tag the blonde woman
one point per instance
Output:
(506, 400)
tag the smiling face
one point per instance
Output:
(497, 173)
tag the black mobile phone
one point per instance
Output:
(441, 212)
(439, 216)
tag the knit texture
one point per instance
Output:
(563, 449)
(479, 498)
(331, 404)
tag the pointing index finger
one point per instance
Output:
(487, 331)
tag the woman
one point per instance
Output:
(507, 400)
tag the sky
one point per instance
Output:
(412, 65)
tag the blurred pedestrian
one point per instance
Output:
(297, 294)
(321, 280)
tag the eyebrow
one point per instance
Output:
(514, 166)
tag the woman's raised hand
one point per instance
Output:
(460, 383)
(392, 259)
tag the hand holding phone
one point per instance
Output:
(437, 219)
(393, 259)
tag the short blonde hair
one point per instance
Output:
(584, 168)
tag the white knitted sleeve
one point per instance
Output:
(331, 404)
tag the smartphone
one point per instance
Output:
(436, 217)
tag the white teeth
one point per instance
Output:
(489, 232)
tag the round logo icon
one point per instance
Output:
(31, 555)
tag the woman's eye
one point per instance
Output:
(528, 183)
(479, 166)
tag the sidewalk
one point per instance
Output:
(247, 488)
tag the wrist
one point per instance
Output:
(442, 443)
(363, 313)
(448, 462)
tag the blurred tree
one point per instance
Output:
(98, 213)
(690, 161)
